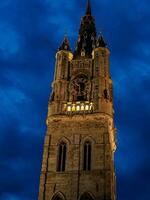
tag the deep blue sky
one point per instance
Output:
(30, 34)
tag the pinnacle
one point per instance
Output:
(65, 44)
(88, 8)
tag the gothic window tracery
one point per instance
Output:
(80, 88)
(87, 156)
(61, 157)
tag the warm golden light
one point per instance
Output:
(87, 107)
(82, 107)
(69, 108)
(78, 106)
(73, 107)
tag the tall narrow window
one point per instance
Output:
(61, 157)
(87, 156)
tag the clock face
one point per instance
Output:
(80, 88)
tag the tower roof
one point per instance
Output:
(65, 44)
(100, 42)
(88, 8)
(87, 34)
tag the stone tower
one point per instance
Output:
(78, 157)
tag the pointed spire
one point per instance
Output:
(87, 34)
(100, 41)
(65, 44)
(88, 8)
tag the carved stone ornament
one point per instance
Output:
(80, 88)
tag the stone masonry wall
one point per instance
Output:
(74, 131)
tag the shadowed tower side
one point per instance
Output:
(78, 156)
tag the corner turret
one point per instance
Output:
(65, 45)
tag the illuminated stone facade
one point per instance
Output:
(78, 157)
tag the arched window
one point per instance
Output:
(86, 196)
(58, 196)
(61, 157)
(87, 156)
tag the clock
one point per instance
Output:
(80, 88)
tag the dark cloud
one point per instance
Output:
(20, 157)
(30, 34)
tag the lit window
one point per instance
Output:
(87, 107)
(78, 108)
(69, 108)
(73, 107)
(82, 107)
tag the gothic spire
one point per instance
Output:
(65, 44)
(88, 8)
(87, 34)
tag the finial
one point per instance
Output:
(88, 8)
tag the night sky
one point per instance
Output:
(30, 34)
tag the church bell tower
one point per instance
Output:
(78, 154)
